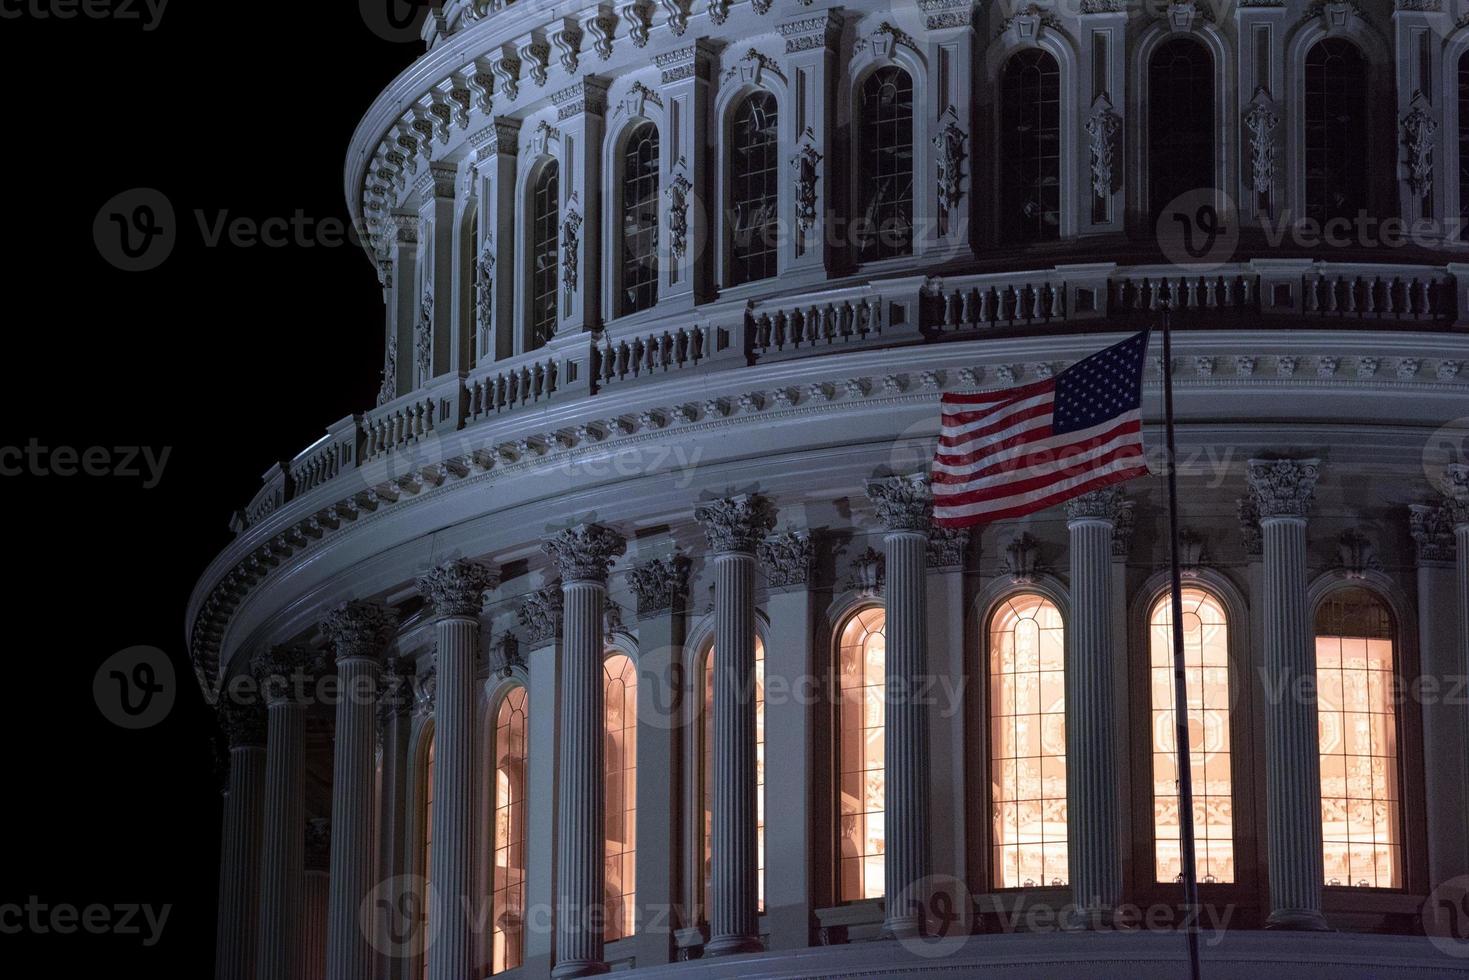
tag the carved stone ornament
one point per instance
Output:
(869, 573)
(1260, 123)
(425, 692)
(903, 503)
(1102, 127)
(287, 672)
(570, 243)
(1455, 482)
(584, 553)
(659, 584)
(386, 390)
(243, 724)
(457, 588)
(1420, 132)
(540, 613)
(1124, 521)
(360, 629)
(1356, 555)
(1097, 505)
(946, 546)
(805, 165)
(1283, 487)
(951, 156)
(423, 339)
(635, 14)
(1022, 559)
(678, 215)
(1192, 552)
(508, 658)
(484, 288)
(678, 17)
(1249, 526)
(1432, 528)
(736, 524)
(787, 558)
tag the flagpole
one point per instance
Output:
(1180, 683)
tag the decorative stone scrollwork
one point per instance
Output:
(1420, 132)
(869, 573)
(1282, 487)
(387, 388)
(903, 503)
(457, 588)
(1432, 529)
(508, 658)
(950, 145)
(540, 614)
(678, 17)
(1249, 526)
(1260, 123)
(718, 11)
(1022, 559)
(1101, 505)
(752, 66)
(787, 558)
(568, 41)
(659, 584)
(761, 7)
(805, 165)
(678, 215)
(537, 56)
(584, 553)
(243, 724)
(423, 339)
(636, 15)
(601, 26)
(946, 546)
(736, 524)
(1356, 555)
(1192, 552)
(1102, 127)
(1455, 482)
(885, 40)
(570, 245)
(425, 692)
(360, 629)
(1124, 522)
(484, 283)
(507, 70)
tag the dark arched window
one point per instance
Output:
(1180, 121)
(545, 209)
(1336, 130)
(885, 189)
(1030, 137)
(640, 219)
(753, 171)
(1464, 145)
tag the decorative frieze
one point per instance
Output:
(660, 584)
(587, 96)
(1282, 487)
(540, 614)
(585, 552)
(788, 558)
(736, 524)
(821, 30)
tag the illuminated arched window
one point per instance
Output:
(1336, 130)
(1180, 121)
(640, 220)
(427, 816)
(885, 185)
(861, 786)
(545, 240)
(1030, 134)
(508, 940)
(620, 686)
(1206, 664)
(707, 771)
(1028, 742)
(754, 172)
(1361, 826)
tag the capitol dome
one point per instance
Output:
(618, 634)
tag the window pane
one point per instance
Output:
(640, 220)
(1030, 131)
(1180, 122)
(706, 775)
(1206, 681)
(754, 169)
(885, 222)
(620, 678)
(545, 239)
(1336, 130)
(508, 949)
(861, 786)
(1361, 836)
(1027, 683)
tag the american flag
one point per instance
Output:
(1002, 454)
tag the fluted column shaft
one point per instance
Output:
(314, 924)
(1091, 771)
(349, 952)
(451, 862)
(240, 862)
(905, 861)
(396, 727)
(282, 878)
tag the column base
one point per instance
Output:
(902, 927)
(733, 945)
(1297, 920)
(1097, 919)
(579, 968)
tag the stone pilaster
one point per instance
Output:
(583, 555)
(436, 248)
(456, 591)
(496, 155)
(359, 632)
(239, 880)
(1456, 487)
(735, 526)
(580, 113)
(402, 303)
(905, 509)
(687, 194)
(1091, 771)
(1282, 491)
(314, 924)
(807, 204)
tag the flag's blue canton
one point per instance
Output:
(1100, 387)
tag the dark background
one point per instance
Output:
(233, 357)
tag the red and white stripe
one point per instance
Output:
(999, 458)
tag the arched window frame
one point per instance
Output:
(1074, 161)
(1227, 124)
(470, 351)
(625, 117)
(1409, 717)
(544, 149)
(621, 646)
(731, 96)
(494, 693)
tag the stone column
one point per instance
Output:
(905, 508)
(583, 555)
(456, 592)
(1091, 757)
(540, 615)
(239, 880)
(395, 728)
(1456, 486)
(315, 924)
(1282, 491)
(359, 632)
(734, 525)
(284, 673)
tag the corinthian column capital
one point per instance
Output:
(285, 672)
(659, 584)
(736, 524)
(540, 614)
(243, 724)
(585, 552)
(1455, 486)
(360, 629)
(457, 588)
(1283, 487)
(904, 503)
(1106, 504)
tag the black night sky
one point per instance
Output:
(231, 357)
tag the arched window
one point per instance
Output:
(754, 171)
(885, 187)
(861, 685)
(1180, 121)
(1336, 130)
(1464, 145)
(427, 815)
(1030, 135)
(508, 942)
(620, 687)
(640, 219)
(1206, 663)
(1028, 742)
(545, 235)
(1361, 824)
(707, 773)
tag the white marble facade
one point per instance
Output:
(671, 292)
